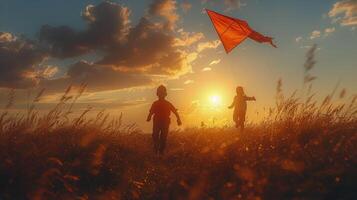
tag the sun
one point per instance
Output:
(215, 100)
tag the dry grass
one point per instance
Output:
(302, 150)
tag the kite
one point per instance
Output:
(234, 31)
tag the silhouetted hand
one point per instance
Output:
(179, 122)
(254, 99)
(148, 119)
(230, 107)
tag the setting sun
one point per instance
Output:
(215, 100)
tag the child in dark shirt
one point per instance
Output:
(240, 107)
(161, 110)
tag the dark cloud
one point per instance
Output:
(109, 31)
(97, 78)
(18, 61)
(64, 41)
(149, 48)
(108, 24)
(132, 56)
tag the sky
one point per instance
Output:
(124, 49)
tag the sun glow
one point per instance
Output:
(215, 100)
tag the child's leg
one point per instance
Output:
(156, 137)
(163, 137)
(242, 120)
(236, 118)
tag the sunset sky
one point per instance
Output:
(124, 49)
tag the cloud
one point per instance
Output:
(309, 47)
(19, 59)
(233, 4)
(206, 69)
(188, 82)
(186, 6)
(108, 24)
(165, 9)
(187, 38)
(347, 9)
(298, 39)
(97, 77)
(228, 4)
(208, 45)
(214, 62)
(329, 31)
(126, 55)
(177, 89)
(145, 50)
(149, 48)
(6, 37)
(315, 34)
(47, 71)
(306, 47)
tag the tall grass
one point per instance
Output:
(303, 149)
(60, 116)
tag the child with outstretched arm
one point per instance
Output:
(240, 107)
(161, 110)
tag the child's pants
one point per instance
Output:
(159, 135)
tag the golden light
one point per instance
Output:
(215, 100)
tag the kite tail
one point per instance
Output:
(272, 43)
(261, 38)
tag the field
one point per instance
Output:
(301, 150)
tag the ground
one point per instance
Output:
(199, 164)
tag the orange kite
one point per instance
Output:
(233, 31)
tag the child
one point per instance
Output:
(161, 110)
(240, 107)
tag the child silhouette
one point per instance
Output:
(240, 107)
(161, 110)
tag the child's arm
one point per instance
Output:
(177, 117)
(232, 105)
(250, 98)
(174, 110)
(149, 116)
(151, 112)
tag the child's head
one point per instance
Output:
(240, 91)
(161, 92)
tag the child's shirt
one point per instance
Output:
(162, 110)
(240, 103)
